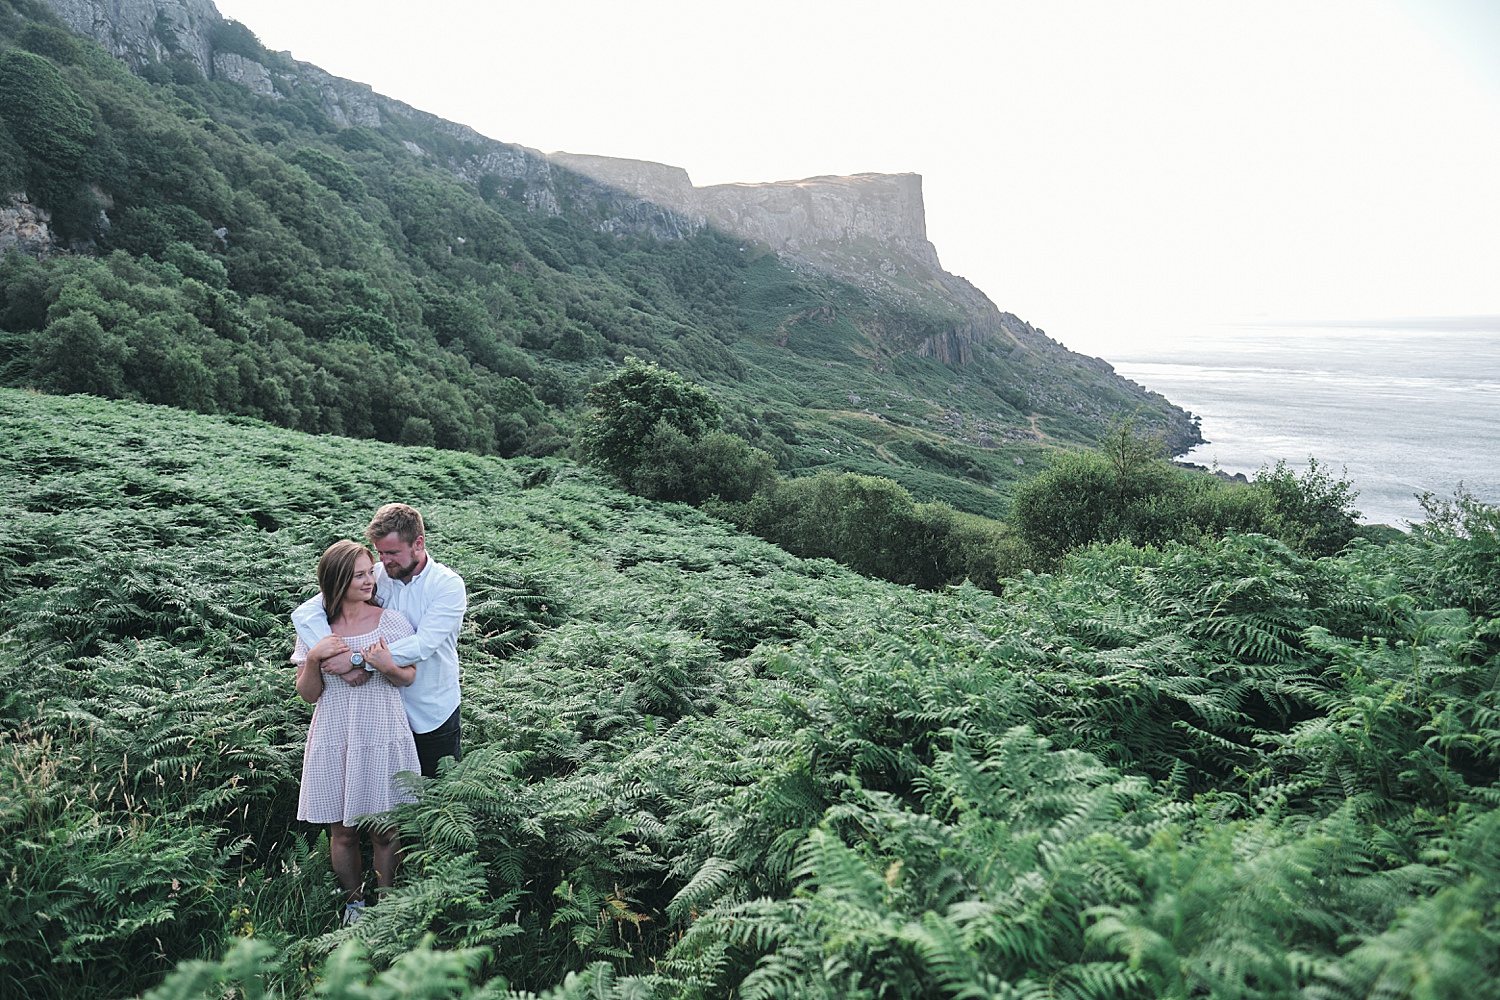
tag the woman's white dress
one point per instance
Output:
(359, 739)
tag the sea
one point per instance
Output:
(1399, 410)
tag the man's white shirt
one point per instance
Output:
(434, 601)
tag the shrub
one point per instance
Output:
(1125, 493)
(717, 465)
(1313, 513)
(628, 407)
(331, 173)
(42, 110)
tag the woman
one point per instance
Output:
(359, 737)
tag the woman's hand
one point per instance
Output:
(378, 655)
(332, 654)
(326, 648)
(309, 673)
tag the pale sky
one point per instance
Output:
(1109, 170)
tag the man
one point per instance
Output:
(433, 599)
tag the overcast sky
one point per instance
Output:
(1109, 170)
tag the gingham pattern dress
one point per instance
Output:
(359, 739)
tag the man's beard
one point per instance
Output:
(404, 572)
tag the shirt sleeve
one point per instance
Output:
(299, 652)
(311, 621)
(441, 619)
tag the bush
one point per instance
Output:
(1313, 513)
(1125, 493)
(1465, 534)
(329, 172)
(629, 406)
(716, 466)
(42, 110)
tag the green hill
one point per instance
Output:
(698, 767)
(244, 243)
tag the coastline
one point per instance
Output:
(1401, 412)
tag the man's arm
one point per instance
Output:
(442, 617)
(311, 621)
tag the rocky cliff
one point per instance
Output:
(868, 230)
(26, 228)
(141, 32)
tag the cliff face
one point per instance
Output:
(145, 31)
(869, 229)
(817, 219)
(26, 228)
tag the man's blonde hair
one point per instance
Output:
(398, 517)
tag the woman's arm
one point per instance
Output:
(309, 680)
(310, 670)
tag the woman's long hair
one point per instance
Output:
(336, 572)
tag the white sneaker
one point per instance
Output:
(352, 912)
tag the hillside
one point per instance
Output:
(209, 225)
(698, 767)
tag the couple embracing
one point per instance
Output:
(377, 653)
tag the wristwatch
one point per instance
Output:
(358, 659)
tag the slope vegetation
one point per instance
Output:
(240, 247)
(698, 767)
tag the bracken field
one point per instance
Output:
(697, 766)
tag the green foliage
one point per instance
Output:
(631, 405)
(236, 39)
(1125, 492)
(314, 238)
(1313, 512)
(718, 466)
(868, 523)
(56, 43)
(1468, 533)
(42, 110)
(696, 766)
(328, 171)
(873, 525)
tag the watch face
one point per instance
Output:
(358, 659)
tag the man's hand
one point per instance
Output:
(378, 655)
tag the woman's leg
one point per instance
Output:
(343, 846)
(387, 855)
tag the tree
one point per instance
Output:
(630, 404)
(717, 465)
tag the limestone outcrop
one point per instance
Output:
(869, 229)
(866, 229)
(25, 227)
(141, 32)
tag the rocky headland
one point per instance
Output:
(868, 230)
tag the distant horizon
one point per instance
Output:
(1456, 323)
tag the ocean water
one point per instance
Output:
(1400, 411)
